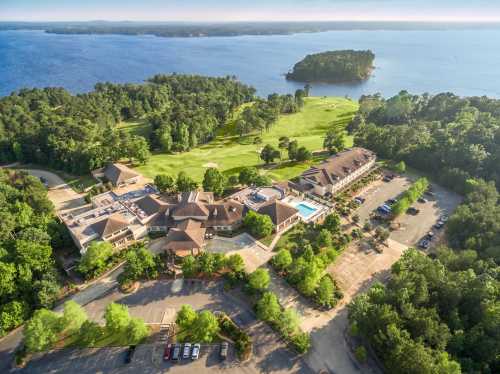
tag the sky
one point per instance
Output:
(249, 10)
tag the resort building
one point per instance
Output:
(337, 171)
(124, 219)
(118, 174)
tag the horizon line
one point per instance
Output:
(405, 20)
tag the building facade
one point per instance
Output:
(337, 171)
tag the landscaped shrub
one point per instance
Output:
(242, 341)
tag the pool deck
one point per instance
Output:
(319, 209)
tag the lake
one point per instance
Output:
(465, 62)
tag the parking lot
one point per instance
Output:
(411, 227)
(157, 302)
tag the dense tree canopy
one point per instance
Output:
(28, 277)
(80, 133)
(450, 137)
(333, 67)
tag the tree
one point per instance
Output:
(138, 148)
(361, 354)
(301, 341)
(40, 333)
(189, 267)
(185, 183)
(94, 260)
(325, 292)
(7, 279)
(400, 167)
(335, 140)
(73, 317)
(117, 318)
(284, 141)
(259, 280)
(259, 225)
(288, 322)
(269, 154)
(165, 183)
(205, 327)
(235, 263)
(214, 181)
(46, 289)
(324, 238)
(12, 314)
(248, 175)
(303, 154)
(136, 330)
(186, 317)
(268, 307)
(355, 218)
(332, 222)
(292, 149)
(140, 264)
(90, 332)
(282, 260)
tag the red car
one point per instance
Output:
(166, 352)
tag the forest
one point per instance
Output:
(28, 235)
(333, 67)
(439, 313)
(79, 133)
(448, 137)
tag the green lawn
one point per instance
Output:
(230, 153)
(137, 127)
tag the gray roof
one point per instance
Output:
(118, 173)
(110, 225)
(277, 211)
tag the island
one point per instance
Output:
(334, 67)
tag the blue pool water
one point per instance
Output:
(305, 210)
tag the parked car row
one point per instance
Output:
(389, 177)
(427, 239)
(176, 352)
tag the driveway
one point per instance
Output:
(61, 194)
(254, 255)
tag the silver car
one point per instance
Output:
(196, 352)
(186, 351)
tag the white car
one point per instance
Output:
(186, 351)
(196, 352)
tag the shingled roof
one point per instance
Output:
(225, 213)
(277, 211)
(338, 166)
(187, 235)
(190, 209)
(110, 225)
(151, 205)
(118, 173)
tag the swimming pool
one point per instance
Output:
(305, 210)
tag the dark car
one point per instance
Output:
(387, 179)
(391, 201)
(429, 193)
(44, 181)
(176, 352)
(224, 347)
(424, 244)
(422, 200)
(129, 354)
(412, 210)
(166, 352)
(439, 225)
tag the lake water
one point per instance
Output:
(466, 62)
